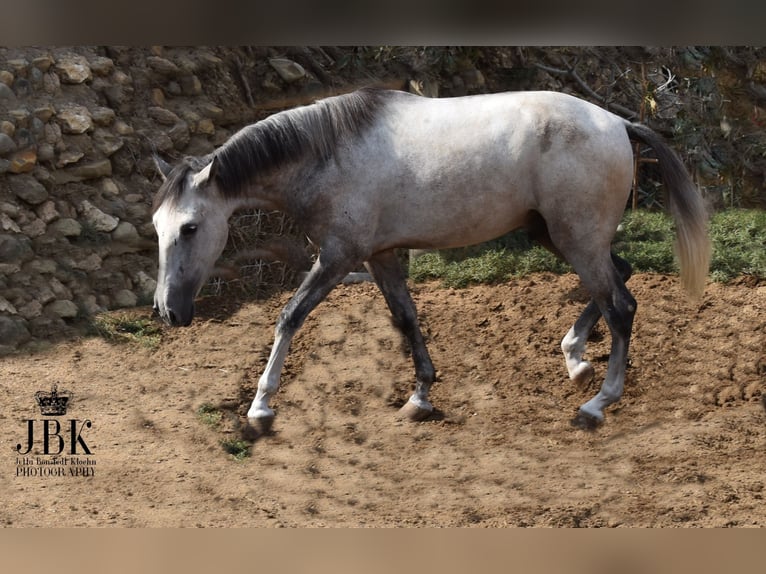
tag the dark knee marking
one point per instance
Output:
(624, 268)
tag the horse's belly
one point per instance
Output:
(445, 223)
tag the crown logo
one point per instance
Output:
(53, 403)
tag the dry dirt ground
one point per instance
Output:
(686, 446)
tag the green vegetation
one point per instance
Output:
(238, 448)
(645, 239)
(212, 417)
(128, 327)
(209, 415)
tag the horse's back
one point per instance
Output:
(454, 171)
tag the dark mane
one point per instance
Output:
(317, 129)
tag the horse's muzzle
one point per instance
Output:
(175, 316)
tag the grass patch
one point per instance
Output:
(645, 239)
(212, 417)
(238, 448)
(128, 327)
(739, 244)
(209, 415)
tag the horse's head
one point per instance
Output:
(192, 228)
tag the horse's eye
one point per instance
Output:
(188, 229)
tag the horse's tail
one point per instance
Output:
(686, 207)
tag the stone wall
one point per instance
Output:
(78, 126)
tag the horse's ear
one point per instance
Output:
(213, 175)
(162, 166)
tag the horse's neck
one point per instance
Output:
(272, 192)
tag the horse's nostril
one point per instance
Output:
(172, 317)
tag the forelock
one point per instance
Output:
(172, 188)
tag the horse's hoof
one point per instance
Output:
(583, 375)
(261, 425)
(412, 412)
(586, 422)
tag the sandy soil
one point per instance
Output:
(686, 446)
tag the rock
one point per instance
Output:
(97, 218)
(125, 298)
(23, 161)
(90, 305)
(6, 78)
(146, 284)
(94, 170)
(43, 63)
(162, 66)
(44, 113)
(7, 128)
(473, 78)
(45, 152)
(122, 128)
(106, 142)
(101, 65)
(109, 188)
(52, 133)
(31, 310)
(59, 289)
(157, 97)
(6, 93)
(51, 83)
(7, 224)
(24, 138)
(47, 211)
(173, 88)
(179, 135)
(20, 116)
(28, 188)
(163, 116)
(9, 208)
(103, 116)
(205, 126)
(34, 228)
(62, 308)
(211, 110)
(69, 157)
(191, 86)
(45, 295)
(7, 145)
(14, 248)
(75, 119)
(116, 95)
(73, 69)
(91, 263)
(125, 232)
(40, 266)
(13, 331)
(6, 307)
(288, 70)
(67, 227)
(21, 87)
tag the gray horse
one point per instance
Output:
(375, 170)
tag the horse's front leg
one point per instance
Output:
(388, 274)
(318, 283)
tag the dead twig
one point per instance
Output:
(243, 78)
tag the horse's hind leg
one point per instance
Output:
(574, 342)
(618, 307)
(326, 273)
(387, 272)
